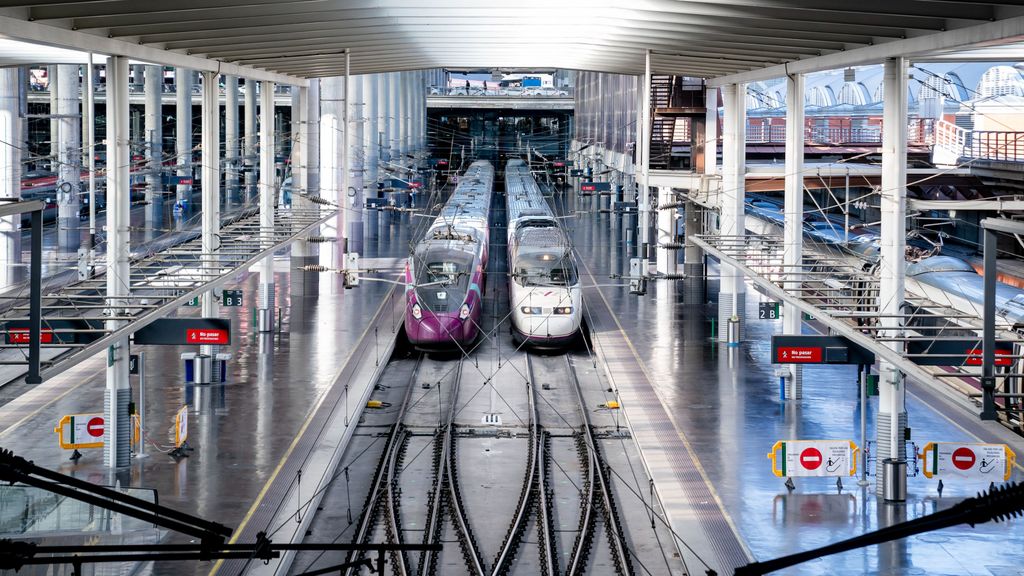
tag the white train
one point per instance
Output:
(544, 287)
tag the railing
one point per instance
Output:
(505, 92)
(990, 145)
(826, 131)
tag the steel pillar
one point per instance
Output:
(711, 131)
(183, 133)
(403, 115)
(211, 188)
(394, 117)
(304, 160)
(384, 116)
(10, 174)
(892, 416)
(249, 141)
(693, 257)
(332, 101)
(666, 232)
(643, 202)
(732, 292)
(69, 158)
(231, 142)
(54, 80)
(116, 434)
(355, 150)
(792, 254)
(344, 203)
(371, 106)
(154, 84)
(268, 189)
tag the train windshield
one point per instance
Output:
(545, 270)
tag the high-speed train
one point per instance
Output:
(544, 288)
(444, 276)
(944, 279)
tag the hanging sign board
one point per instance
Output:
(986, 462)
(185, 332)
(595, 186)
(54, 331)
(813, 458)
(965, 352)
(813, 349)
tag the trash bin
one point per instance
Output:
(734, 331)
(894, 479)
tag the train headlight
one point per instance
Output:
(464, 312)
(531, 310)
(563, 310)
(417, 312)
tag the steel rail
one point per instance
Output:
(382, 476)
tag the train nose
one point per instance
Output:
(439, 330)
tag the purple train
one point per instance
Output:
(444, 276)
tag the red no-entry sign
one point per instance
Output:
(95, 427)
(810, 458)
(963, 458)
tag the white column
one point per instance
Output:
(249, 141)
(403, 114)
(711, 131)
(54, 81)
(384, 115)
(312, 133)
(371, 107)
(231, 143)
(731, 298)
(666, 263)
(69, 157)
(644, 207)
(302, 253)
(892, 415)
(356, 153)
(792, 255)
(154, 142)
(395, 117)
(116, 436)
(267, 191)
(10, 174)
(346, 170)
(331, 146)
(183, 135)
(211, 185)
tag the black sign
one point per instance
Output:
(231, 298)
(576, 172)
(624, 207)
(55, 331)
(133, 364)
(595, 186)
(813, 349)
(768, 310)
(185, 332)
(963, 352)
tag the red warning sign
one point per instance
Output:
(963, 458)
(1002, 357)
(95, 427)
(810, 458)
(21, 336)
(206, 336)
(798, 355)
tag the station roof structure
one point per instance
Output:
(290, 40)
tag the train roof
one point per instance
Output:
(468, 208)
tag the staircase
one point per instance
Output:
(662, 131)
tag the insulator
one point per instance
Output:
(320, 239)
(315, 268)
(319, 200)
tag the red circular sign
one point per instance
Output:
(963, 458)
(810, 458)
(95, 427)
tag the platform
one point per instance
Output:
(725, 410)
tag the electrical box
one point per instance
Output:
(351, 270)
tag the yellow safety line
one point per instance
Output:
(44, 406)
(291, 447)
(679, 431)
